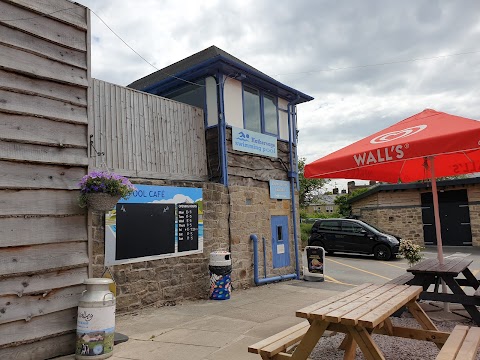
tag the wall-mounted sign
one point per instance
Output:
(154, 222)
(253, 142)
(314, 263)
(280, 189)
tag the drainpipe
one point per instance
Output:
(265, 280)
(222, 131)
(293, 176)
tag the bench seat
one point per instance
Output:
(280, 342)
(402, 279)
(462, 344)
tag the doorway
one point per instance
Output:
(454, 218)
(280, 243)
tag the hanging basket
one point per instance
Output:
(102, 201)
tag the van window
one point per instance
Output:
(330, 225)
(351, 227)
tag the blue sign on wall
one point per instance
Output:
(253, 142)
(280, 189)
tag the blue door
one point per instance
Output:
(280, 247)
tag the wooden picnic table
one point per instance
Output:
(358, 313)
(431, 272)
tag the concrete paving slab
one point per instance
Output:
(210, 338)
(273, 326)
(429, 307)
(446, 316)
(237, 350)
(153, 350)
(256, 315)
(222, 323)
(144, 327)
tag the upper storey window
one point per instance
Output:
(260, 111)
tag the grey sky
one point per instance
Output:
(331, 50)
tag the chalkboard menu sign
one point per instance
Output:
(187, 227)
(154, 222)
(154, 236)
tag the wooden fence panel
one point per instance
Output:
(59, 10)
(71, 94)
(44, 79)
(29, 306)
(21, 175)
(43, 349)
(46, 48)
(34, 130)
(143, 135)
(26, 104)
(45, 27)
(20, 231)
(32, 259)
(43, 282)
(21, 331)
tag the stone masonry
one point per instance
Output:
(251, 209)
(166, 281)
(403, 215)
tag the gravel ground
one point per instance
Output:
(393, 347)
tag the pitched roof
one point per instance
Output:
(208, 62)
(325, 199)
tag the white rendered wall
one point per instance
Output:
(211, 94)
(283, 119)
(233, 102)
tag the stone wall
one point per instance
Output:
(251, 210)
(245, 210)
(401, 214)
(405, 222)
(166, 281)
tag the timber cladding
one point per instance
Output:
(141, 135)
(44, 77)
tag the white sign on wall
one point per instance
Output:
(253, 142)
(279, 189)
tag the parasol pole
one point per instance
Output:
(438, 227)
(436, 212)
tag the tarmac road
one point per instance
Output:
(343, 271)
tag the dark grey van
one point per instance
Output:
(353, 236)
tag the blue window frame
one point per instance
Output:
(260, 111)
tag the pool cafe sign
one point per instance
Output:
(253, 142)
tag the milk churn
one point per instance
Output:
(95, 321)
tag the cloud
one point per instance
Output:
(177, 199)
(368, 63)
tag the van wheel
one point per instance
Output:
(382, 252)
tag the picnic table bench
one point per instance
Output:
(280, 342)
(431, 272)
(462, 344)
(358, 313)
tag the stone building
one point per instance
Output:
(406, 210)
(324, 204)
(251, 189)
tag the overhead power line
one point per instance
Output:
(291, 73)
(380, 64)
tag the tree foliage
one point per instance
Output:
(344, 207)
(309, 188)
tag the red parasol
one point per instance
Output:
(424, 146)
